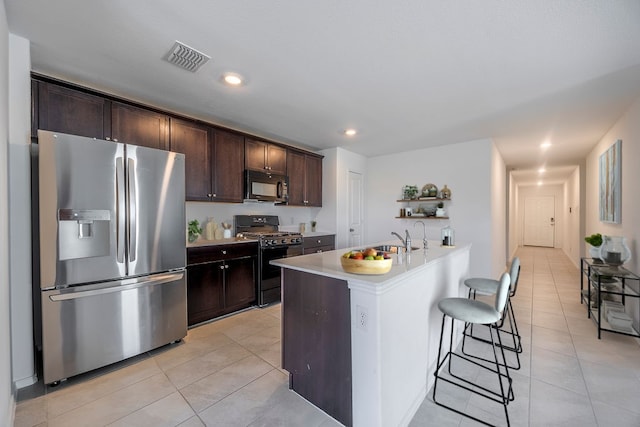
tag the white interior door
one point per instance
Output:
(355, 208)
(539, 221)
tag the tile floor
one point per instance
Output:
(226, 373)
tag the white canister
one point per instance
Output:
(227, 233)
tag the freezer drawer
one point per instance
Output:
(88, 327)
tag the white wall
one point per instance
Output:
(19, 211)
(467, 169)
(627, 128)
(7, 392)
(512, 217)
(572, 235)
(498, 213)
(346, 162)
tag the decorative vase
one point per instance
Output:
(440, 212)
(614, 251)
(445, 192)
(594, 252)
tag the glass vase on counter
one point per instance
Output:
(614, 251)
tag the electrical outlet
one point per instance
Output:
(362, 317)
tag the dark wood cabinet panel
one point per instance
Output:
(312, 245)
(277, 159)
(137, 126)
(305, 178)
(228, 167)
(265, 157)
(295, 171)
(205, 299)
(193, 140)
(65, 110)
(221, 279)
(240, 289)
(313, 180)
(316, 338)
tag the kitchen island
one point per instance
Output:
(363, 348)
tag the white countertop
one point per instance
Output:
(328, 264)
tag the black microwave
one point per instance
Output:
(266, 187)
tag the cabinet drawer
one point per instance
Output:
(317, 249)
(312, 242)
(221, 252)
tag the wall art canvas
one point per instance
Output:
(610, 184)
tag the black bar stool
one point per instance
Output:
(489, 287)
(471, 311)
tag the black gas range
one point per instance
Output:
(274, 244)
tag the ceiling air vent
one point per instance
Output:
(186, 57)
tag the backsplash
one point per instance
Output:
(290, 216)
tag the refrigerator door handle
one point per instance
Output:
(155, 280)
(120, 210)
(133, 235)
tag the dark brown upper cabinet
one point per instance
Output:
(214, 161)
(138, 126)
(265, 157)
(60, 109)
(194, 141)
(305, 178)
(227, 160)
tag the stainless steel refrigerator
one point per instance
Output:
(109, 251)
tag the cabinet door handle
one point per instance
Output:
(209, 194)
(319, 241)
(226, 267)
(222, 267)
(115, 139)
(224, 252)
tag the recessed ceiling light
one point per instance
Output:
(545, 145)
(542, 170)
(350, 132)
(539, 183)
(232, 79)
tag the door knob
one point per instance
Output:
(351, 230)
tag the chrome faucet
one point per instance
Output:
(406, 242)
(424, 233)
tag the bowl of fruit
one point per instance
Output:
(367, 261)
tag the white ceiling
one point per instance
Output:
(407, 74)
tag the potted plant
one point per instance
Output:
(410, 192)
(440, 209)
(595, 240)
(313, 226)
(194, 230)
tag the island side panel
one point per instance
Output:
(316, 341)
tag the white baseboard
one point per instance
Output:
(25, 382)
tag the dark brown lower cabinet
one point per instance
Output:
(221, 279)
(316, 341)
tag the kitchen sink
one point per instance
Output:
(393, 248)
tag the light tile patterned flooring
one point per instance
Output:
(226, 373)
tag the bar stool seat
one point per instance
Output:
(489, 287)
(471, 311)
(482, 285)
